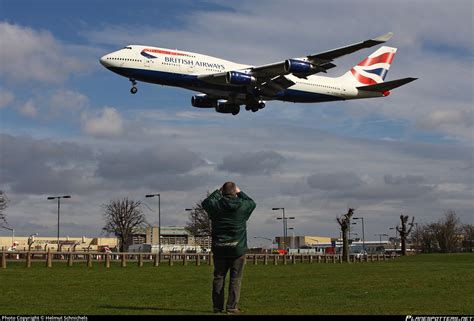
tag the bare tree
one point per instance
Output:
(199, 222)
(345, 223)
(448, 232)
(3, 206)
(122, 218)
(404, 232)
(468, 236)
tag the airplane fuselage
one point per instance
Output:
(183, 69)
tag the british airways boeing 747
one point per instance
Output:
(226, 85)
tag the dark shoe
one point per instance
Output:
(218, 311)
(234, 311)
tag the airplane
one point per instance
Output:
(225, 85)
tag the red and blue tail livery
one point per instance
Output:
(226, 86)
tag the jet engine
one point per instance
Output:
(203, 101)
(239, 78)
(225, 107)
(295, 66)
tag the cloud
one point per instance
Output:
(29, 109)
(138, 165)
(402, 180)
(43, 166)
(334, 181)
(69, 100)
(6, 97)
(34, 56)
(257, 163)
(108, 123)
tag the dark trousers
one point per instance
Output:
(221, 266)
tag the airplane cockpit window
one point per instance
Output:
(127, 47)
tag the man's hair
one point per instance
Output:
(229, 189)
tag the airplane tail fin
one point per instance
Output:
(373, 69)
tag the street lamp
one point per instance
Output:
(395, 238)
(284, 222)
(195, 229)
(264, 238)
(363, 231)
(380, 237)
(159, 223)
(59, 205)
(292, 244)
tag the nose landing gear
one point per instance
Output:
(134, 89)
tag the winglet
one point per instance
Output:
(384, 38)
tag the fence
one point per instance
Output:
(89, 258)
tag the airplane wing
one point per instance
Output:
(269, 77)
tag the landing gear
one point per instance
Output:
(256, 107)
(134, 89)
(236, 110)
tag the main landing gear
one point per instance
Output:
(134, 89)
(256, 107)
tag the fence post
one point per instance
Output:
(49, 259)
(89, 259)
(198, 259)
(4, 260)
(69, 259)
(310, 258)
(255, 259)
(28, 259)
(185, 259)
(265, 259)
(171, 260)
(211, 259)
(302, 258)
(124, 260)
(275, 259)
(319, 258)
(140, 260)
(284, 259)
(107, 260)
(293, 259)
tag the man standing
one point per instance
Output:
(229, 209)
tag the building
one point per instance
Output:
(44, 243)
(296, 242)
(170, 235)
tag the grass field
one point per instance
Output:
(423, 284)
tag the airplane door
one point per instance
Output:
(147, 62)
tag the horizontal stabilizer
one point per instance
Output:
(387, 85)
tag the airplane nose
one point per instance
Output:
(103, 61)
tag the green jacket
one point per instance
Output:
(229, 222)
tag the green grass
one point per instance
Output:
(423, 284)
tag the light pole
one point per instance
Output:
(59, 206)
(363, 230)
(292, 244)
(195, 229)
(395, 238)
(380, 237)
(264, 238)
(284, 223)
(159, 223)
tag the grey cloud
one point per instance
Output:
(257, 163)
(334, 181)
(138, 165)
(42, 166)
(403, 180)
